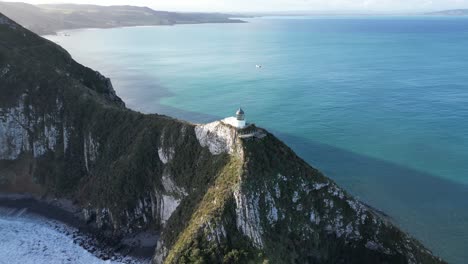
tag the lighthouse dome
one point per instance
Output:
(237, 121)
(240, 115)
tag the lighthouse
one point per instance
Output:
(240, 118)
(237, 121)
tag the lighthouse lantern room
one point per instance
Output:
(237, 121)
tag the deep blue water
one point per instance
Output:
(379, 104)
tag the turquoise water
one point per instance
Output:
(380, 104)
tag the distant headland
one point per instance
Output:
(51, 18)
(453, 12)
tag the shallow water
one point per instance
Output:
(377, 103)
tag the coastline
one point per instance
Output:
(313, 163)
(134, 248)
(63, 31)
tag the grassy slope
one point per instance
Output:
(192, 245)
(292, 239)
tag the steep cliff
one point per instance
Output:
(215, 198)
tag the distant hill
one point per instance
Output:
(454, 12)
(48, 19)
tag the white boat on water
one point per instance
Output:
(258, 66)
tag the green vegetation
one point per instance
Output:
(193, 245)
(119, 165)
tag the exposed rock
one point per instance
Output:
(169, 205)
(248, 217)
(160, 254)
(166, 155)
(217, 137)
(171, 187)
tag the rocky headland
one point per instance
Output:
(213, 196)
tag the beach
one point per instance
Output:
(63, 220)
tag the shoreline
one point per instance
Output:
(134, 248)
(63, 31)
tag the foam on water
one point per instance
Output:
(27, 239)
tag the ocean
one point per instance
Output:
(379, 104)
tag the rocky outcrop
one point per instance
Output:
(248, 217)
(213, 196)
(217, 137)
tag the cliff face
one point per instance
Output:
(214, 197)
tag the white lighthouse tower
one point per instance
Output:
(240, 117)
(237, 121)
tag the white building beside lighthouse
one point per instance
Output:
(237, 121)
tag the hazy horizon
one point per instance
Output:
(263, 6)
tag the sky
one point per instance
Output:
(280, 5)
